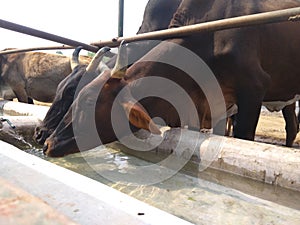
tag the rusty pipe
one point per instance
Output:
(291, 14)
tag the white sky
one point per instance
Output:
(85, 21)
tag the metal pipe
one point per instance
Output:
(41, 34)
(5, 52)
(284, 15)
(121, 18)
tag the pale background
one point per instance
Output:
(84, 21)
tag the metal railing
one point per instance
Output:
(44, 35)
(285, 15)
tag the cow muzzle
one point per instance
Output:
(49, 150)
(40, 135)
(54, 148)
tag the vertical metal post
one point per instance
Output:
(121, 18)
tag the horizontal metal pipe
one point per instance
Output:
(284, 15)
(5, 52)
(41, 34)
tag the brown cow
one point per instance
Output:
(251, 65)
(157, 16)
(33, 75)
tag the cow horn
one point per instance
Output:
(97, 59)
(120, 67)
(75, 57)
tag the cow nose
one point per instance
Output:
(45, 148)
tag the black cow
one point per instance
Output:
(66, 92)
(157, 16)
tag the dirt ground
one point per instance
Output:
(271, 129)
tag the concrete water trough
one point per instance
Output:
(235, 182)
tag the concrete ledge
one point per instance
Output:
(268, 163)
(84, 200)
(23, 109)
(263, 162)
(19, 207)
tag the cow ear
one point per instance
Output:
(138, 117)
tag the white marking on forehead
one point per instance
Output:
(279, 105)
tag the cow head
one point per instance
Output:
(88, 124)
(66, 93)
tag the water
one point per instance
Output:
(209, 197)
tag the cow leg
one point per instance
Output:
(221, 128)
(252, 87)
(291, 124)
(22, 96)
(30, 101)
(229, 125)
(298, 112)
(247, 118)
(229, 122)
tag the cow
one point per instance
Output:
(251, 64)
(87, 95)
(157, 16)
(33, 75)
(291, 123)
(66, 92)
